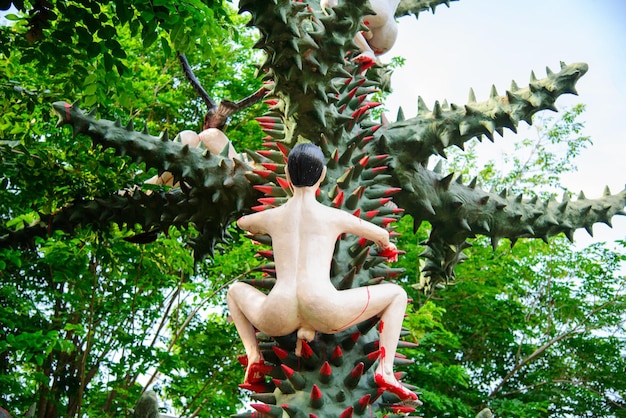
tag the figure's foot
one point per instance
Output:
(396, 388)
(256, 372)
(366, 60)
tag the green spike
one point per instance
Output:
(494, 93)
(130, 126)
(400, 116)
(472, 97)
(421, 106)
(437, 110)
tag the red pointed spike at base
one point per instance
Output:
(326, 370)
(307, 351)
(402, 409)
(260, 208)
(263, 173)
(280, 352)
(283, 183)
(357, 212)
(387, 221)
(283, 149)
(371, 213)
(338, 200)
(347, 413)
(315, 399)
(287, 370)
(270, 166)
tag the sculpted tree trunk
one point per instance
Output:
(378, 172)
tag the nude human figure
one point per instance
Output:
(304, 233)
(213, 139)
(383, 29)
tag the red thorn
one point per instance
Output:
(271, 102)
(261, 407)
(380, 168)
(381, 326)
(371, 213)
(362, 242)
(337, 353)
(263, 173)
(347, 413)
(363, 161)
(265, 119)
(357, 213)
(380, 156)
(316, 393)
(264, 189)
(357, 371)
(307, 351)
(318, 192)
(338, 200)
(265, 153)
(267, 200)
(326, 370)
(387, 221)
(266, 253)
(355, 336)
(287, 370)
(282, 149)
(383, 200)
(270, 166)
(365, 400)
(260, 208)
(399, 409)
(397, 210)
(373, 355)
(392, 190)
(367, 139)
(283, 183)
(280, 352)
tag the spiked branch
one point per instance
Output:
(431, 131)
(457, 212)
(214, 189)
(415, 7)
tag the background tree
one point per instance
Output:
(85, 322)
(85, 272)
(531, 329)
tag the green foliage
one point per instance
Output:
(530, 331)
(87, 320)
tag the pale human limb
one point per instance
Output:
(212, 139)
(383, 29)
(247, 306)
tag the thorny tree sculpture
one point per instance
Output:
(376, 172)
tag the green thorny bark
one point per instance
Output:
(375, 171)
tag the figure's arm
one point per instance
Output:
(357, 226)
(254, 223)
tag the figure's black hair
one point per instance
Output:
(305, 165)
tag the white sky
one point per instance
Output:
(477, 43)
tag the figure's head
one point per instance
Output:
(305, 165)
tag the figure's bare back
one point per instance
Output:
(303, 234)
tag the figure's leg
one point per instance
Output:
(215, 141)
(349, 307)
(243, 302)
